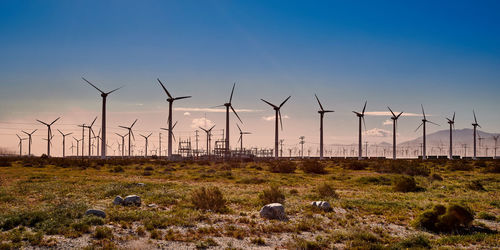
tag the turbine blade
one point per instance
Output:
(393, 115)
(272, 105)
(238, 128)
(60, 132)
(173, 136)
(239, 138)
(453, 119)
(364, 123)
(211, 128)
(283, 103)
(328, 111)
(18, 136)
(419, 126)
(123, 127)
(232, 91)
(281, 121)
(164, 129)
(34, 131)
(234, 111)
(434, 123)
(206, 131)
(357, 113)
(93, 122)
(475, 120)
(114, 90)
(43, 122)
(174, 126)
(218, 106)
(93, 85)
(150, 135)
(399, 115)
(423, 112)
(133, 123)
(182, 97)
(132, 133)
(25, 132)
(163, 86)
(321, 106)
(55, 120)
(364, 108)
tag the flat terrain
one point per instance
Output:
(43, 201)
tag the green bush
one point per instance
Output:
(273, 194)
(405, 184)
(475, 185)
(210, 198)
(285, 167)
(436, 177)
(356, 165)
(103, 232)
(326, 191)
(486, 216)
(312, 167)
(407, 167)
(419, 241)
(442, 219)
(376, 180)
(459, 166)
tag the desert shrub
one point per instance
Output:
(405, 184)
(274, 194)
(312, 167)
(376, 180)
(407, 167)
(282, 166)
(118, 169)
(103, 232)
(5, 162)
(251, 180)
(436, 177)
(486, 216)
(210, 198)
(156, 234)
(148, 168)
(480, 164)
(360, 239)
(356, 165)
(493, 168)
(442, 219)
(294, 191)
(147, 173)
(459, 166)
(258, 241)
(326, 191)
(419, 241)
(475, 185)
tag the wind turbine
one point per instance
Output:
(29, 140)
(72, 147)
(277, 110)
(394, 125)
(146, 148)
(78, 144)
(123, 143)
(49, 133)
(171, 131)
(495, 138)
(229, 105)
(90, 136)
(103, 95)
(130, 133)
(475, 125)
(209, 135)
(361, 117)
(240, 140)
(452, 126)
(321, 115)
(170, 101)
(424, 121)
(21, 144)
(64, 141)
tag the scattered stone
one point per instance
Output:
(96, 212)
(273, 211)
(118, 200)
(132, 200)
(324, 205)
(140, 184)
(152, 205)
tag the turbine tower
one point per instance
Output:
(104, 95)
(64, 141)
(77, 145)
(171, 131)
(452, 126)
(321, 115)
(130, 133)
(209, 135)
(240, 140)
(146, 146)
(90, 136)
(229, 105)
(29, 140)
(424, 121)
(49, 133)
(495, 138)
(21, 144)
(123, 142)
(277, 110)
(170, 101)
(394, 126)
(361, 117)
(475, 125)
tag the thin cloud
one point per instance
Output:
(387, 122)
(377, 132)
(387, 113)
(271, 117)
(187, 113)
(201, 122)
(214, 110)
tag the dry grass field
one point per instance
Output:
(376, 204)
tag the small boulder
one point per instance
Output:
(140, 184)
(273, 211)
(323, 205)
(132, 200)
(118, 200)
(96, 212)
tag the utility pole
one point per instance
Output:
(465, 149)
(302, 146)
(196, 136)
(159, 141)
(281, 148)
(366, 149)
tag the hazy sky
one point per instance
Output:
(444, 54)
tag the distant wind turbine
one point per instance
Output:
(64, 141)
(475, 125)
(130, 133)
(209, 135)
(229, 105)
(29, 140)
(277, 110)
(321, 112)
(21, 144)
(361, 117)
(452, 126)
(49, 133)
(424, 121)
(394, 126)
(146, 146)
(104, 95)
(90, 136)
(123, 143)
(240, 140)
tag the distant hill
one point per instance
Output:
(460, 136)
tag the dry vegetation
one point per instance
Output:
(377, 204)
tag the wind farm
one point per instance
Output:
(261, 125)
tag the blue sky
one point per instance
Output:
(444, 54)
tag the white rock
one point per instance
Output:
(132, 200)
(324, 205)
(273, 211)
(118, 200)
(96, 212)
